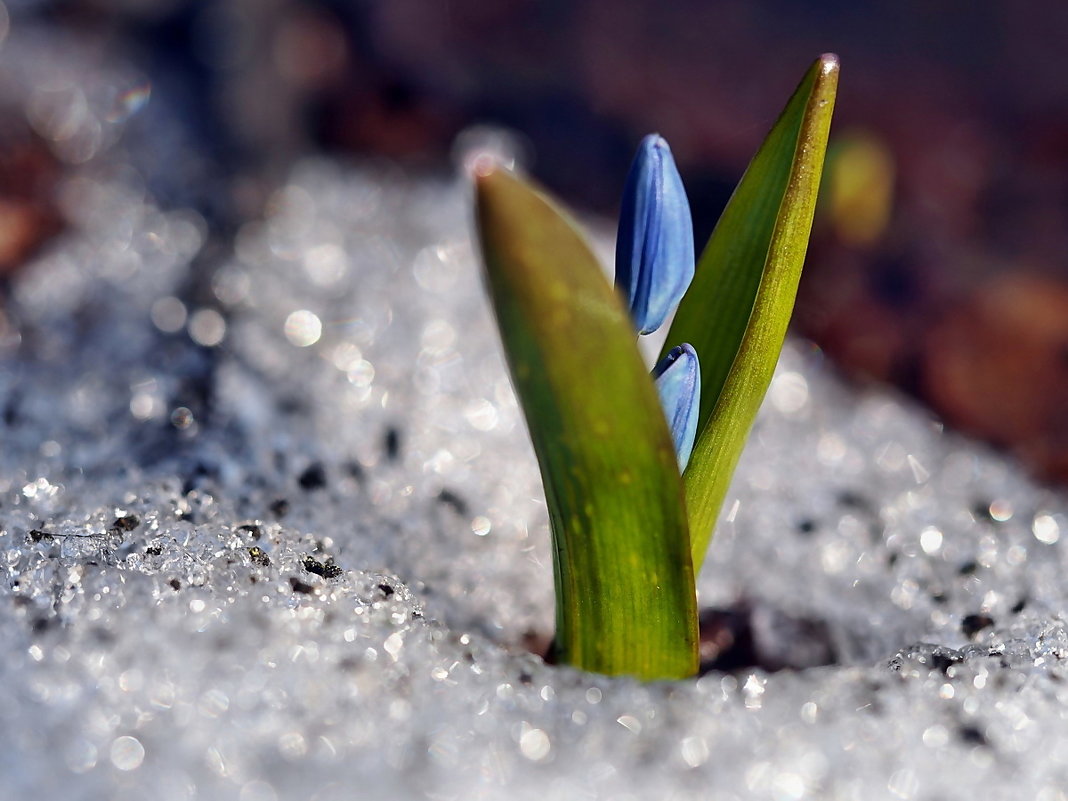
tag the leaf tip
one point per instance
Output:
(494, 187)
(829, 64)
(483, 175)
(485, 165)
(824, 82)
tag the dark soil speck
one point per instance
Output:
(973, 624)
(973, 735)
(852, 499)
(313, 478)
(252, 530)
(299, 586)
(453, 500)
(327, 568)
(941, 662)
(126, 523)
(392, 443)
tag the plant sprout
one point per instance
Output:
(636, 467)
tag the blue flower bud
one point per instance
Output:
(678, 380)
(654, 247)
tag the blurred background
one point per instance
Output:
(938, 263)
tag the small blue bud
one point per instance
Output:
(678, 380)
(654, 247)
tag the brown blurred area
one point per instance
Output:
(938, 261)
(28, 174)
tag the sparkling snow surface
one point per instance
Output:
(275, 531)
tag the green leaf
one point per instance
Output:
(737, 309)
(625, 600)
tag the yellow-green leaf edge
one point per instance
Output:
(737, 309)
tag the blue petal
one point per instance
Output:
(678, 380)
(654, 247)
